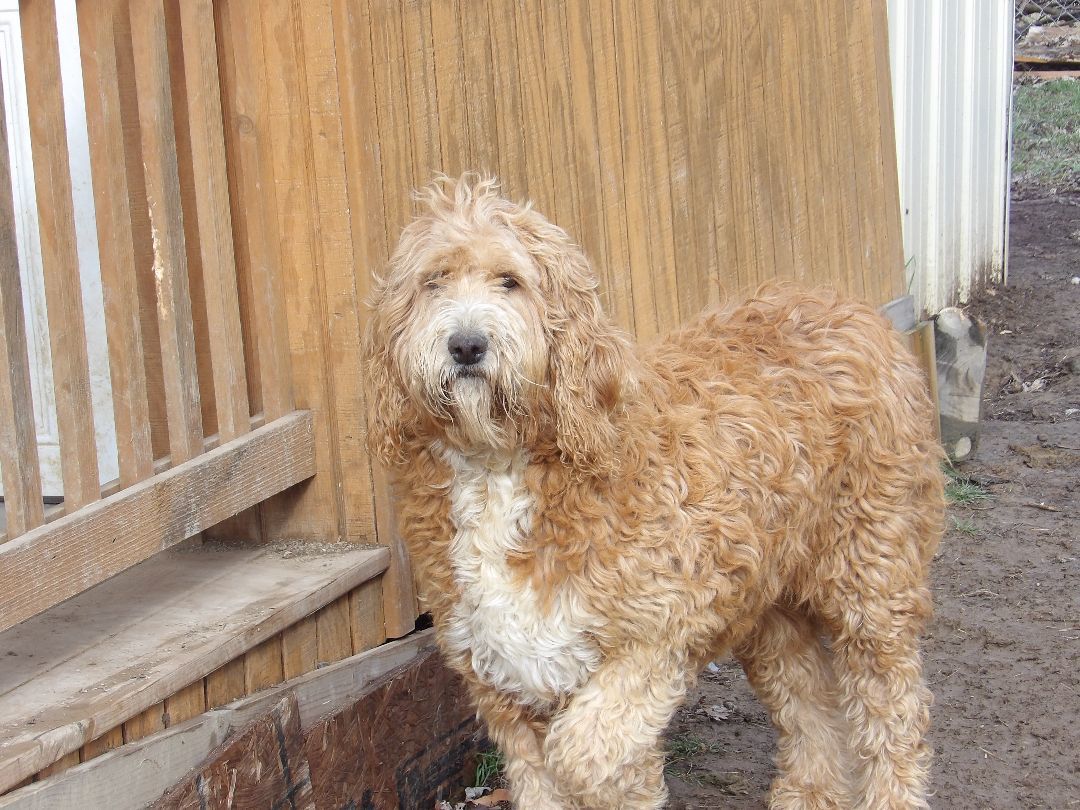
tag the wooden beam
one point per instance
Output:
(149, 766)
(261, 766)
(18, 442)
(63, 558)
(59, 256)
(215, 222)
(254, 206)
(179, 362)
(365, 201)
(110, 165)
(117, 651)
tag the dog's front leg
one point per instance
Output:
(603, 749)
(517, 734)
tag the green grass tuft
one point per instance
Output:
(960, 490)
(1046, 135)
(489, 767)
(682, 749)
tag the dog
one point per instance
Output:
(591, 522)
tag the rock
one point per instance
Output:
(718, 713)
(1070, 360)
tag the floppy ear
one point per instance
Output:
(592, 367)
(387, 403)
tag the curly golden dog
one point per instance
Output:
(593, 521)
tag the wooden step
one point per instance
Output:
(147, 767)
(85, 666)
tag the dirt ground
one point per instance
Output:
(1003, 652)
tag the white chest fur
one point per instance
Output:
(516, 644)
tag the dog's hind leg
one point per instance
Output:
(878, 609)
(604, 748)
(790, 670)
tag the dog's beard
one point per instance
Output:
(479, 410)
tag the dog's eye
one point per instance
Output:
(509, 282)
(433, 283)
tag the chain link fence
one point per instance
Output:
(1042, 13)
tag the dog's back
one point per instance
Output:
(820, 409)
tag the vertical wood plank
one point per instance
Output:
(59, 256)
(333, 631)
(141, 231)
(363, 171)
(176, 333)
(192, 232)
(799, 34)
(109, 160)
(315, 510)
(730, 102)
(891, 269)
(749, 23)
(263, 666)
(113, 738)
(225, 684)
(479, 87)
(584, 144)
(510, 121)
(820, 105)
(214, 218)
(637, 194)
(610, 150)
(420, 81)
(18, 439)
(254, 206)
(340, 326)
(857, 40)
(148, 722)
(838, 103)
(300, 647)
(665, 285)
(187, 703)
(449, 60)
(734, 245)
(782, 49)
(532, 78)
(366, 616)
(767, 106)
(395, 134)
(566, 205)
(683, 76)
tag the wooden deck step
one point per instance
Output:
(88, 664)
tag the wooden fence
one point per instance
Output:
(252, 164)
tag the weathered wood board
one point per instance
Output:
(402, 745)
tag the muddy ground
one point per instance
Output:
(1003, 652)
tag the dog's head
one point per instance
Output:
(487, 332)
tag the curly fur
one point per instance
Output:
(592, 521)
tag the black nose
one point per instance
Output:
(467, 348)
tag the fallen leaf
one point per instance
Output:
(493, 799)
